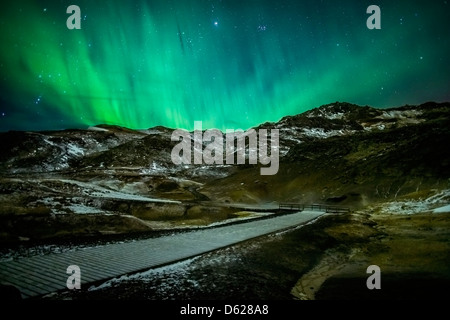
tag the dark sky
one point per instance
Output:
(231, 64)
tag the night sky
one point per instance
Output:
(231, 64)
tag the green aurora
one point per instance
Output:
(231, 64)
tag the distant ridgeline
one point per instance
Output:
(214, 150)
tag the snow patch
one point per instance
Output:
(405, 207)
(180, 269)
(59, 206)
(400, 114)
(251, 215)
(442, 209)
(97, 191)
(82, 209)
(327, 113)
(154, 169)
(321, 133)
(431, 204)
(97, 129)
(74, 150)
(334, 116)
(46, 140)
(93, 190)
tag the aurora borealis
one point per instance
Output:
(230, 64)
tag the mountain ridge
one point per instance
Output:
(339, 154)
(334, 106)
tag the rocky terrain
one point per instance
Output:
(107, 183)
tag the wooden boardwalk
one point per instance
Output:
(40, 275)
(313, 207)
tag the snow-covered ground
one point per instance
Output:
(86, 197)
(60, 205)
(83, 209)
(251, 215)
(323, 134)
(176, 271)
(93, 190)
(442, 209)
(437, 203)
(407, 115)
(326, 112)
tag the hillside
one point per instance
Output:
(111, 180)
(350, 155)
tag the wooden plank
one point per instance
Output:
(51, 281)
(24, 290)
(58, 271)
(120, 258)
(23, 285)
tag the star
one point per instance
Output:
(262, 28)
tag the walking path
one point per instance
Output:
(39, 275)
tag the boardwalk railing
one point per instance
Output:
(313, 207)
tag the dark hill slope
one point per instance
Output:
(353, 169)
